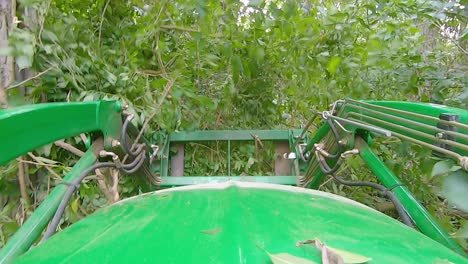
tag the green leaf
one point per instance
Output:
(333, 65)
(324, 54)
(74, 205)
(24, 62)
(441, 167)
(250, 162)
(286, 258)
(464, 35)
(111, 78)
(259, 54)
(30, 2)
(455, 189)
(49, 35)
(463, 231)
(10, 228)
(255, 3)
(46, 161)
(237, 68)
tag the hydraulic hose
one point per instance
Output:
(126, 148)
(139, 161)
(71, 189)
(387, 193)
(74, 185)
(134, 163)
(337, 138)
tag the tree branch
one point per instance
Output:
(103, 186)
(29, 79)
(110, 191)
(115, 184)
(100, 23)
(179, 28)
(22, 182)
(47, 166)
(72, 149)
(166, 91)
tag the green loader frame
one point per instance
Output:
(304, 158)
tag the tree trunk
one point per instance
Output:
(7, 63)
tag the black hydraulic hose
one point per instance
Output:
(337, 138)
(140, 159)
(336, 135)
(398, 206)
(73, 186)
(135, 161)
(71, 189)
(327, 169)
(123, 136)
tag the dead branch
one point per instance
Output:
(66, 146)
(110, 191)
(22, 182)
(47, 166)
(115, 183)
(103, 186)
(29, 79)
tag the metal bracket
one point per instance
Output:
(153, 155)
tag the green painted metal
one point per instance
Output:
(316, 174)
(165, 158)
(204, 222)
(421, 217)
(189, 180)
(233, 135)
(235, 223)
(318, 136)
(422, 126)
(228, 136)
(415, 120)
(403, 119)
(432, 139)
(294, 140)
(426, 109)
(33, 227)
(28, 127)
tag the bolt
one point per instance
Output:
(464, 163)
(289, 156)
(115, 143)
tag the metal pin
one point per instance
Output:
(104, 153)
(115, 143)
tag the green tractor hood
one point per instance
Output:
(236, 222)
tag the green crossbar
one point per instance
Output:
(232, 135)
(190, 180)
(222, 135)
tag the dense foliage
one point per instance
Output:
(231, 64)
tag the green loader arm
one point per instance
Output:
(26, 128)
(437, 127)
